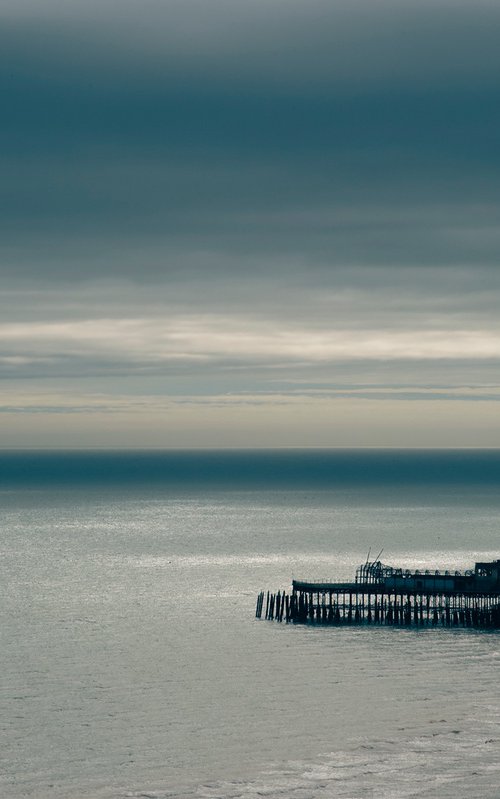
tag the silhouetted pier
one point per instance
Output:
(386, 595)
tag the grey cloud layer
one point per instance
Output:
(289, 41)
(345, 133)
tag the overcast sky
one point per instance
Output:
(250, 223)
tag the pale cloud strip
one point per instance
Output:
(216, 338)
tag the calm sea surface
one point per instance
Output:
(131, 663)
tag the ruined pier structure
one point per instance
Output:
(391, 596)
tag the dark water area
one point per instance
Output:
(251, 469)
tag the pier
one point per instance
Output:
(385, 595)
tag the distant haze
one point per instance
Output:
(250, 224)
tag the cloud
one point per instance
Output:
(220, 343)
(330, 41)
(250, 198)
(68, 402)
(250, 421)
(154, 139)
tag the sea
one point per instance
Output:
(131, 661)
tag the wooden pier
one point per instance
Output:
(384, 595)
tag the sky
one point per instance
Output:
(249, 223)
